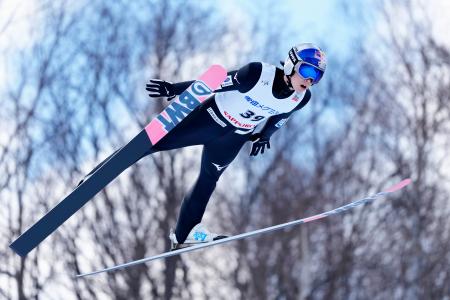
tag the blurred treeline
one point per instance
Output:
(76, 92)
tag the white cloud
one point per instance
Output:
(439, 12)
(15, 24)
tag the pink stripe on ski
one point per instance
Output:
(216, 78)
(399, 185)
(213, 77)
(155, 131)
(316, 217)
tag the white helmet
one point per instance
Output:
(307, 60)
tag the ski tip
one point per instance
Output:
(399, 185)
(219, 69)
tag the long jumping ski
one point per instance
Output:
(335, 211)
(173, 114)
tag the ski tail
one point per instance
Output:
(120, 161)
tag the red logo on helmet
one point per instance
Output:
(318, 54)
(321, 58)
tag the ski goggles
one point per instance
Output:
(309, 71)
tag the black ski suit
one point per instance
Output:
(222, 136)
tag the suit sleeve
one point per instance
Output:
(241, 80)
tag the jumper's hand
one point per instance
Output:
(259, 144)
(160, 88)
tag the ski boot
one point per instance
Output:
(199, 234)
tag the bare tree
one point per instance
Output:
(389, 129)
(135, 218)
(77, 94)
(416, 113)
(87, 63)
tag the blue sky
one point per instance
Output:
(322, 22)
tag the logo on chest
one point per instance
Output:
(261, 106)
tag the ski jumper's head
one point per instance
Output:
(304, 66)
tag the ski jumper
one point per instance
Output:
(256, 93)
(223, 123)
